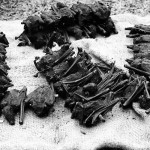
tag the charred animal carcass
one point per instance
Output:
(5, 81)
(61, 22)
(11, 103)
(41, 100)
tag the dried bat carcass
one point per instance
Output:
(138, 30)
(11, 103)
(142, 64)
(91, 112)
(41, 100)
(140, 48)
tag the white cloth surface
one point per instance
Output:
(58, 131)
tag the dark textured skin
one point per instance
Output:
(66, 15)
(69, 88)
(75, 31)
(132, 87)
(4, 68)
(80, 20)
(41, 100)
(142, 39)
(83, 13)
(80, 70)
(95, 79)
(38, 39)
(93, 29)
(33, 32)
(135, 62)
(100, 10)
(48, 60)
(82, 111)
(56, 72)
(71, 77)
(3, 44)
(11, 103)
(9, 114)
(3, 39)
(90, 89)
(140, 29)
(140, 48)
(33, 24)
(60, 5)
(143, 64)
(144, 102)
(50, 20)
(142, 55)
(109, 27)
(2, 57)
(2, 49)
(5, 82)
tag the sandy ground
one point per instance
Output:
(58, 131)
(20, 9)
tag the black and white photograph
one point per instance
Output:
(74, 74)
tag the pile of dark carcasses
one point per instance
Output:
(61, 22)
(140, 63)
(5, 82)
(40, 100)
(57, 25)
(90, 90)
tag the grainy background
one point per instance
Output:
(20, 9)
